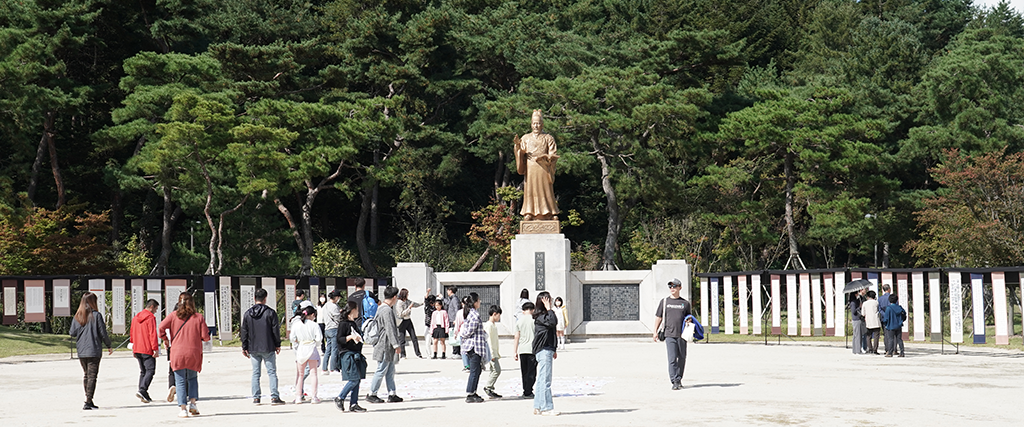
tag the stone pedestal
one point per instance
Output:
(540, 227)
(540, 262)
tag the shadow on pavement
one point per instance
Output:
(714, 385)
(233, 414)
(418, 373)
(601, 411)
(414, 408)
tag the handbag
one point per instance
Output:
(688, 332)
(661, 329)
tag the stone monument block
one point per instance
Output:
(540, 262)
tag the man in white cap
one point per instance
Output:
(673, 311)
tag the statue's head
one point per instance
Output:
(537, 123)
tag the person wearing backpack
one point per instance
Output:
(673, 311)
(358, 296)
(370, 305)
(386, 347)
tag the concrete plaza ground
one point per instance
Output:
(597, 383)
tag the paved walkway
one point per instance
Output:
(597, 383)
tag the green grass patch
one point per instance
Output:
(16, 342)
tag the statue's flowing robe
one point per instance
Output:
(538, 191)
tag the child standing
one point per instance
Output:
(893, 319)
(491, 327)
(306, 339)
(439, 327)
(560, 313)
(523, 349)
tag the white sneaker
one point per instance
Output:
(183, 413)
(315, 400)
(551, 413)
(192, 409)
(298, 400)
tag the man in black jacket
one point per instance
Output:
(261, 343)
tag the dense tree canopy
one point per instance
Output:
(327, 136)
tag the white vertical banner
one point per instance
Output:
(904, 294)
(934, 298)
(117, 316)
(1020, 297)
(978, 304)
(917, 299)
(153, 289)
(210, 300)
(755, 304)
(314, 294)
(224, 290)
(246, 296)
(999, 308)
(805, 304)
(62, 297)
(289, 296)
(138, 295)
(816, 302)
(840, 309)
(174, 289)
(741, 283)
(704, 301)
(727, 295)
(99, 287)
(715, 318)
(956, 310)
(270, 285)
(791, 303)
(776, 302)
(830, 305)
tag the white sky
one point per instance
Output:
(1016, 4)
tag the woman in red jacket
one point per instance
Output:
(145, 347)
(188, 331)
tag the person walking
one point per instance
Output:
(353, 364)
(872, 321)
(172, 395)
(491, 327)
(562, 314)
(439, 327)
(90, 333)
(332, 317)
(545, 347)
(321, 320)
(359, 294)
(524, 297)
(893, 319)
(452, 306)
(857, 318)
(387, 350)
(188, 332)
(306, 338)
(523, 349)
(404, 309)
(883, 302)
(672, 311)
(145, 347)
(261, 343)
(300, 296)
(474, 345)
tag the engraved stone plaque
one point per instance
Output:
(539, 227)
(489, 295)
(538, 266)
(611, 302)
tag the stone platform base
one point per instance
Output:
(540, 227)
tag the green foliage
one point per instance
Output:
(330, 259)
(133, 258)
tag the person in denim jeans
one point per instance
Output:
(545, 347)
(332, 316)
(261, 343)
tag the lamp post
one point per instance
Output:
(875, 251)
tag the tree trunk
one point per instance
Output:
(614, 219)
(54, 164)
(220, 234)
(794, 252)
(885, 254)
(170, 216)
(307, 231)
(480, 261)
(364, 253)
(299, 241)
(374, 217)
(44, 142)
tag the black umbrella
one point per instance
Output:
(856, 285)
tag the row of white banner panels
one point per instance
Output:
(135, 291)
(815, 302)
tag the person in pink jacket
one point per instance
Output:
(145, 347)
(187, 331)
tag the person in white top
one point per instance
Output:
(872, 322)
(332, 317)
(305, 339)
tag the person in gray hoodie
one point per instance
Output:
(387, 350)
(90, 331)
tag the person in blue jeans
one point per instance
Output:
(388, 349)
(545, 348)
(332, 317)
(893, 320)
(261, 343)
